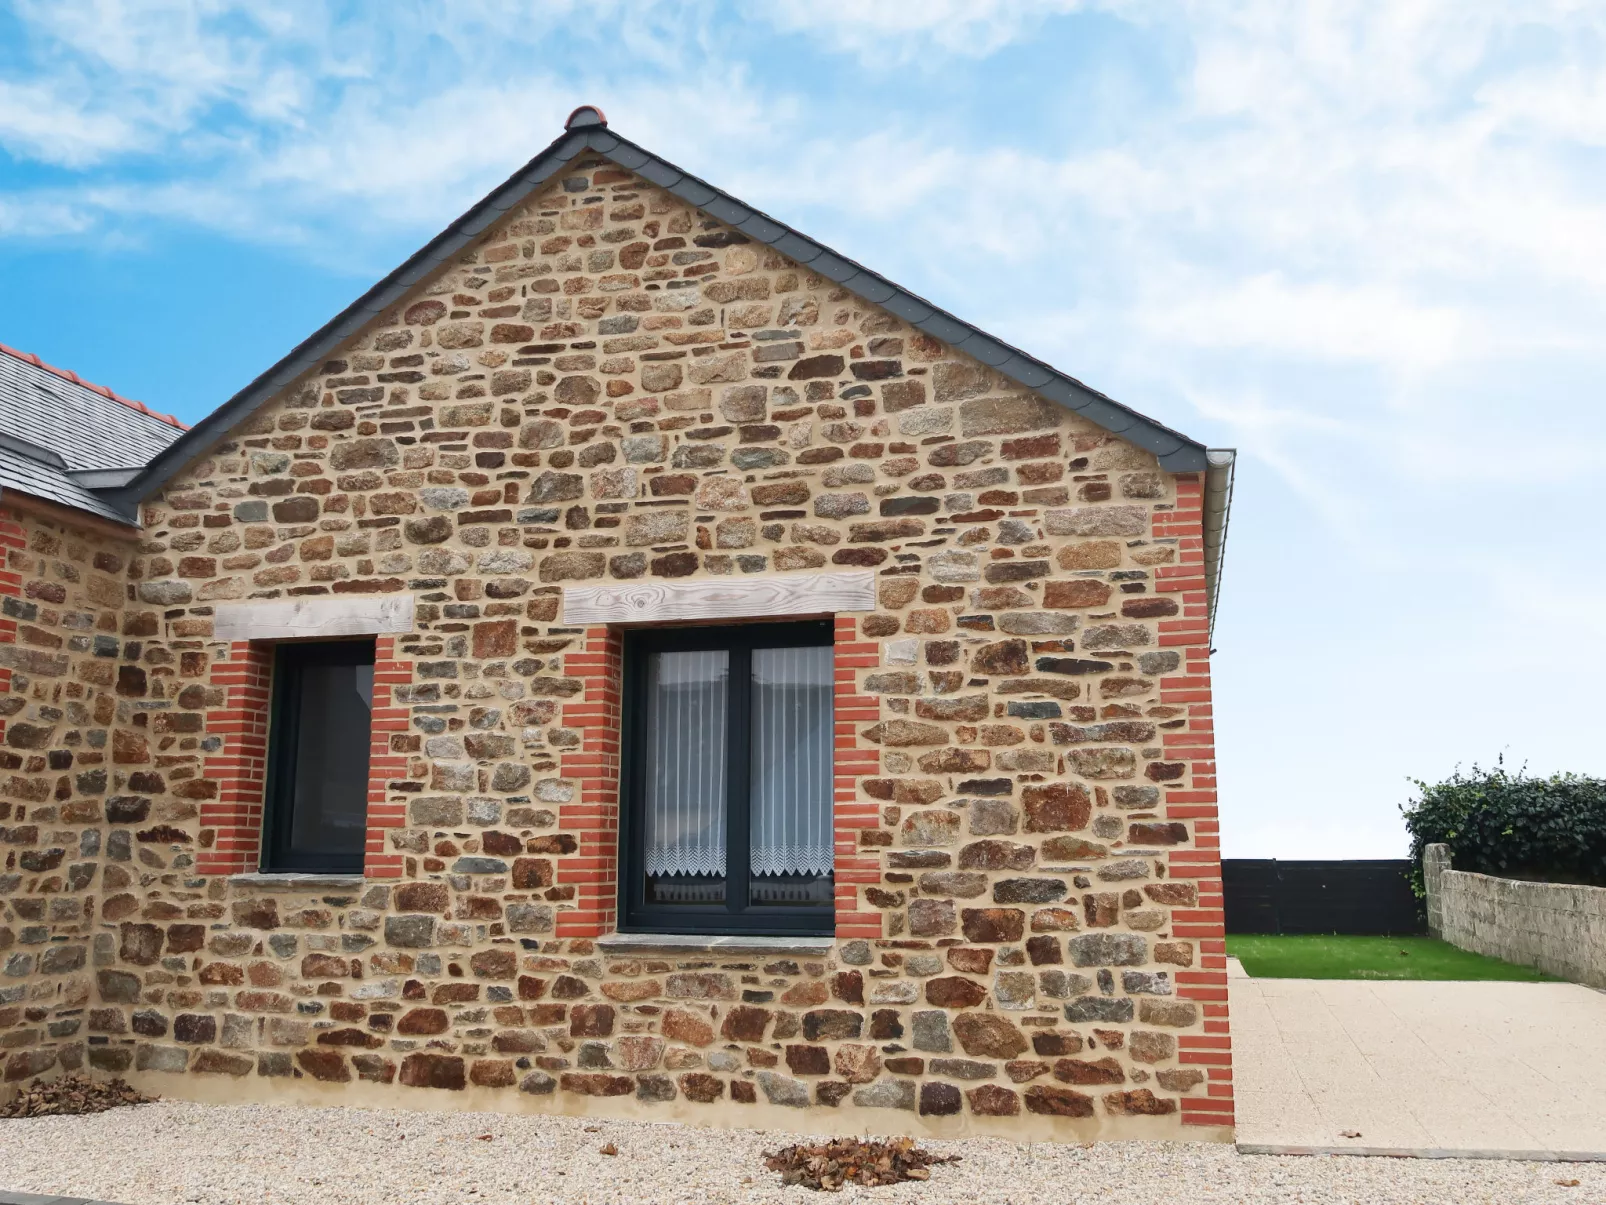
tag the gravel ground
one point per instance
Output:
(177, 1153)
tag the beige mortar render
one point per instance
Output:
(613, 386)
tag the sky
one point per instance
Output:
(1364, 244)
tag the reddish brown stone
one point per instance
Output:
(988, 1035)
(830, 1024)
(1082, 1071)
(1056, 807)
(1075, 594)
(996, 855)
(1044, 949)
(848, 987)
(1023, 1071)
(591, 1020)
(991, 1100)
(1157, 833)
(350, 1037)
(256, 914)
(886, 1025)
(1004, 658)
(1058, 1102)
(700, 1087)
(326, 1065)
(424, 1070)
(418, 1021)
(498, 638)
(1176, 953)
(139, 944)
(993, 924)
(185, 939)
(811, 367)
(568, 987)
(1174, 893)
(745, 1024)
(954, 992)
(494, 964)
(324, 966)
(970, 961)
(1138, 1103)
(682, 1026)
(808, 1060)
(221, 1062)
(597, 1084)
(492, 1073)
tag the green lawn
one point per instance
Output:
(1369, 958)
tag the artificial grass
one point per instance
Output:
(1339, 957)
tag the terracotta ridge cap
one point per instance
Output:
(27, 357)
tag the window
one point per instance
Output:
(317, 789)
(727, 780)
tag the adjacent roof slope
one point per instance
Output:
(62, 438)
(587, 130)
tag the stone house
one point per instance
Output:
(633, 662)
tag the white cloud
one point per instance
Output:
(899, 30)
(47, 122)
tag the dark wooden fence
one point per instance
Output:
(1361, 896)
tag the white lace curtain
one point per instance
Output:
(791, 762)
(791, 778)
(686, 729)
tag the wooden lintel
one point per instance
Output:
(312, 618)
(797, 594)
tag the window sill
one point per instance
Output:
(298, 881)
(697, 943)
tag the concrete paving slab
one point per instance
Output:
(1440, 1070)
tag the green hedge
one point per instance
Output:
(1512, 825)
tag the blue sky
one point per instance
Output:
(1363, 243)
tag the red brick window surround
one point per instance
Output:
(231, 821)
(592, 814)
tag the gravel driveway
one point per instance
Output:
(177, 1153)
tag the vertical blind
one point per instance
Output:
(686, 758)
(791, 763)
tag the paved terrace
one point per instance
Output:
(1486, 1068)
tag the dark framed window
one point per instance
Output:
(726, 780)
(317, 788)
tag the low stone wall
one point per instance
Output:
(1557, 927)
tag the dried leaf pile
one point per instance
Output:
(830, 1165)
(73, 1094)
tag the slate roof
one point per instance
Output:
(63, 438)
(587, 131)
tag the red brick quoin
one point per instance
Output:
(12, 539)
(1193, 799)
(231, 821)
(593, 813)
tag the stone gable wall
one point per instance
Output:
(63, 635)
(613, 386)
